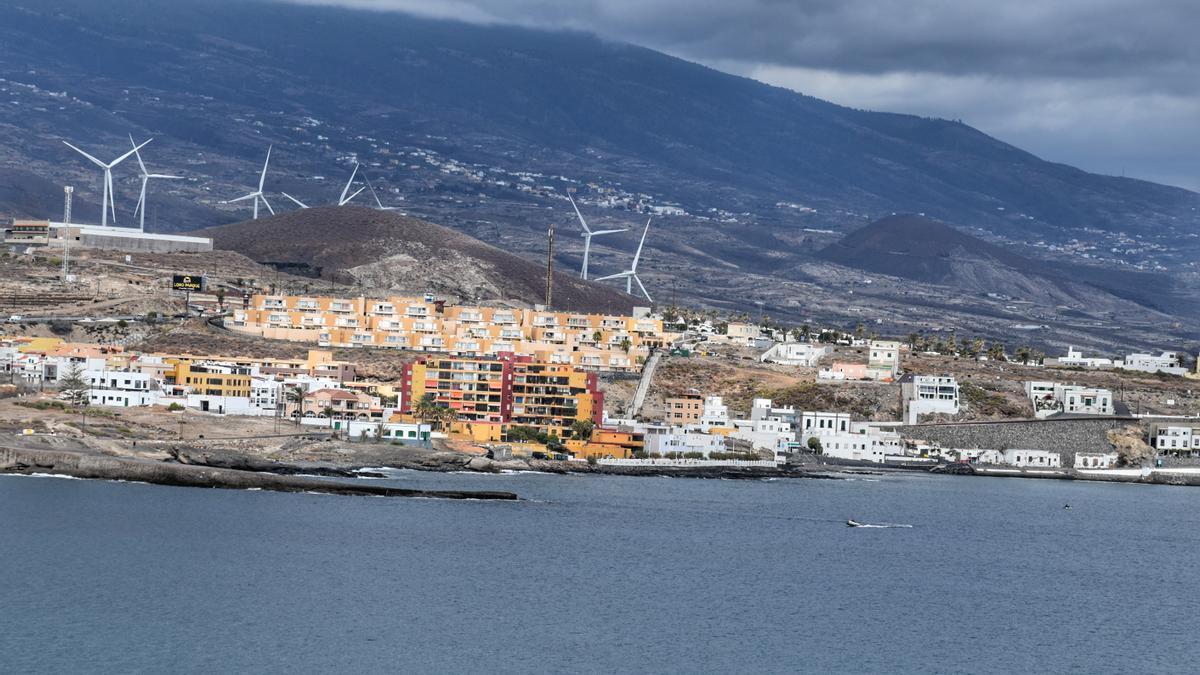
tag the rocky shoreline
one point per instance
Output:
(105, 467)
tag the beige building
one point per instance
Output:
(591, 341)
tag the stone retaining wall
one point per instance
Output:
(1067, 436)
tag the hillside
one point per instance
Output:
(929, 252)
(384, 251)
(484, 128)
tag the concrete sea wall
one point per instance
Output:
(1066, 436)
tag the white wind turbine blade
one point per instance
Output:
(266, 203)
(373, 194)
(580, 215)
(342, 200)
(241, 199)
(262, 178)
(642, 243)
(142, 195)
(351, 197)
(297, 202)
(618, 275)
(164, 176)
(126, 156)
(141, 164)
(600, 232)
(93, 159)
(639, 283)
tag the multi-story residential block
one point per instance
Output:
(121, 388)
(928, 395)
(592, 341)
(507, 390)
(1176, 439)
(883, 360)
(684, 410)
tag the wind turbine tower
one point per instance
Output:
(587, 235)
(146, 176)
(106, 199)
(630, 275)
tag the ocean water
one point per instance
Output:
(602, 574)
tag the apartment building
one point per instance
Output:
(509, 389)
(928, 395)
(1170, 363)
(121, 388)
(591, 341)
(1179, 440)
(684, 410)
(883, 360)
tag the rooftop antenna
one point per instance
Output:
(140, 211)
(343, 200)
(630, 275)
(587, 235)
(550, 268)
(258, 195)
(296, 201)
(67, 192)
(106, 199)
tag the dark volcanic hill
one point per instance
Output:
(930, 252)
(384, 250)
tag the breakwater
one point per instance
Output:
(104, 467)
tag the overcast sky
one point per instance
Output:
(1110, 86)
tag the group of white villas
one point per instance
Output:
(1170, 363)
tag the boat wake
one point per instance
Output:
(881, 526)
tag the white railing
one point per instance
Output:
(689, 462)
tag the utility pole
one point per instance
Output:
(67, 191)
(550, 269)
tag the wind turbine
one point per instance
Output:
(587, 235)
(257, 195)
(140, 211)
(296, 201)
(378, 204)
(343, 200)
(106, 200)
(630, 275)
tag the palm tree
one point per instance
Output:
(328, 412)
(912, 341)
(1023, 354)
(426, 408)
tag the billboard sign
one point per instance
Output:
(187, 282)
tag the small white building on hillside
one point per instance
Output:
(1170, 363)
(121, 389)
(804, 354)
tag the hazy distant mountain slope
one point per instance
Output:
(388, 251)
(551, 101)
(930, 252)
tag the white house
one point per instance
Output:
(714, 413)
(862, 442)
(804, 354)
(1050, 398)
(1095, 460)
(663, 440)
(1166, 362)
(1175, 439)
(1076, 359)
(1040, 459)
(1077, 400)
(765, 434)
(122, 389)
(928, 395)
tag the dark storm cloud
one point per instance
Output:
(1054, 76)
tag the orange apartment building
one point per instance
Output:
(684, 410)
(591, 341)
(508, 390)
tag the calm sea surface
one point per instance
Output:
(602, 575)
